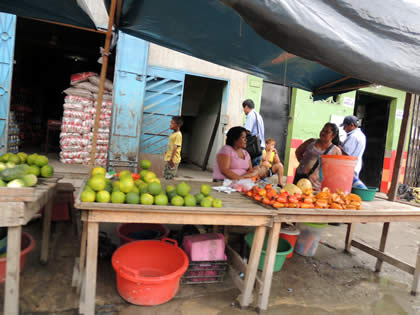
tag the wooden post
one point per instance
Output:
(89, 299)
(416, 274)
(382, 244)
(11, 295)
(251, 272)
(270, 258)
(349, 237)
(400, 150)
(101, 84)
(46, 228)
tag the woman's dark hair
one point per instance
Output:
(234, 134)
(335, 131)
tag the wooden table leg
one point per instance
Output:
(82, 257)
(46, 229)
(11, 294)
(251, 271)
(382, 244)
(267, 276)
(89, 296)
(349, 237)
(416, 274)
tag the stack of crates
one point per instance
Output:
(208, 261)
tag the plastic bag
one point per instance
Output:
(80, 77)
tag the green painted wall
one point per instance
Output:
(308, 117)
(254, 90)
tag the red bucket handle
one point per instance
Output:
(169, 240)
(128, 272)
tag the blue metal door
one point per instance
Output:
(163, 99)
(7, 45)
(129, 85)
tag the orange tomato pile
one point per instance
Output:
(323, 200)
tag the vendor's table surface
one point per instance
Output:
(18, 207)
(237, 210)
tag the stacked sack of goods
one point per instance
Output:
(79, 119)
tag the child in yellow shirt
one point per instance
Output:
(172, 155)
(271, 160)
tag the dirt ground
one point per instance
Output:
(331, 282)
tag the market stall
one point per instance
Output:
(237, 210)
(19, 206)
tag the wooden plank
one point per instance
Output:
(392, 194)
(416, 274)
(349, 237)
(11, 294)
(384, 257)
(267, 276)
(237, 281)
(46, 226)
(251, 272)
(91, 268)
(12, 213)
(17, 194)
(382, 244)
(346, 219)
(177, 218)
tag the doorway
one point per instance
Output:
(202, 132)
(373, 111)
(43, 66)
(275, 109)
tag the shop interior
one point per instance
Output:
(46, 55)
(373, 111)
(201, 110)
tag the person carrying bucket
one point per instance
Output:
(354, 145)
(309, 152)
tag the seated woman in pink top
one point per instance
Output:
(232, 160)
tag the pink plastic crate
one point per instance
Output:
(205, 247)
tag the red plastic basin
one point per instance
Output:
(149, 272)
(27, 244)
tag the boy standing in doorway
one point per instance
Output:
(172, 155)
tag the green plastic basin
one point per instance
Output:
(284, 248)
(366, 194)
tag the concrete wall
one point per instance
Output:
(238, 81)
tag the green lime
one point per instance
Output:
(117, 197)
(132, 198)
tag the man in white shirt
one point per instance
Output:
(354, 145)
(255, 124)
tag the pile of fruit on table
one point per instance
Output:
(302, 196)
(23, 170)
(144, 188)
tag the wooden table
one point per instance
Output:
(379, 210)
(18, 206)
(237, 210)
